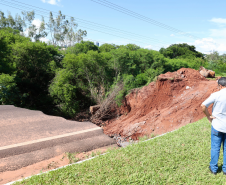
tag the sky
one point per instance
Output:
(201, 23)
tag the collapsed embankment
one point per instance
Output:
(169, 103)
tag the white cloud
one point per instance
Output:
(218, 32)
(218, 20)
(206, 45)
(172, 35)
(37, 22)
(148, 47)
(52, 2)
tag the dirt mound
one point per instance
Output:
(171, 102)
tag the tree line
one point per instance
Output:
(61, 30)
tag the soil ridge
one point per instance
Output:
(169, 103)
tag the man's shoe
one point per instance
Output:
(215, 173)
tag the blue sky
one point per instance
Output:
(205, 20)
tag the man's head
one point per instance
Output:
(222, 82)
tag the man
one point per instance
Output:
(218, 120)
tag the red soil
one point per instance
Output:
(162, 106)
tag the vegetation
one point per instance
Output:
(180, 157)
(217, 62)
(181, 51)
(61, 30)
(43, 76)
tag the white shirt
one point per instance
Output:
(219, 109)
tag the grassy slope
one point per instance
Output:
(180, 157)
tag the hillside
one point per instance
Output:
(169, 103)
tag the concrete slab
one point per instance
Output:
(26, 133)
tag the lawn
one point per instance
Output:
(180, 157)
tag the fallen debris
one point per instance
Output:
(94, 108)
(206, 73)
(162, 106)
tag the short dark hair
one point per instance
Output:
(222, 81)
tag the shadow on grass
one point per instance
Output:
(219, 168)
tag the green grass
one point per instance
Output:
(220, 74)
(180, 157)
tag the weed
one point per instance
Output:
(152, 135)
(93, 154)
(71, 157)
(53, 164)
(62, 158)
(98, 152)
(155, 79)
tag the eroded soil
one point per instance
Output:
(169, 103)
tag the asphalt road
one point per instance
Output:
(29, 136)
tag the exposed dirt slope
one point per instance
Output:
(171, 102)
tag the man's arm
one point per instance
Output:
(206, 112)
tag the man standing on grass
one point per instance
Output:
(218, 120)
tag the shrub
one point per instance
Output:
(9, 92)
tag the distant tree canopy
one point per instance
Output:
(132, 47)
(82, 47)
(181, 51)
(107, 47)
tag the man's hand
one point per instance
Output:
(206, 112)
(211, 119)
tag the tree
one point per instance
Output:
(82, 47)
(9, 22)
(9, 37)
(132, 47)
(71, 36)
(9, 92)
(79, 35)
(33, 71)
(37, 33)
(63, 31)
(107, 47)
(58, 28)
(181, 51)
(216, 62)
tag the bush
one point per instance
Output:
(175, 64)
(64, 92)
(9, 92)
